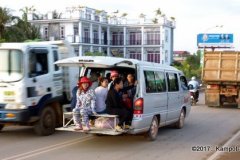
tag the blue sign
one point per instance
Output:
(215, 40)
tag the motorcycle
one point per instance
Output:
(193, 94)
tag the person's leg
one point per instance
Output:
(85, 118)
(122, 114)
(77, 118)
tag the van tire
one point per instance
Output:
(1, 126)
(180, 123)
(152, 133)
(47, 122)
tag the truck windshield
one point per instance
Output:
(11, 65)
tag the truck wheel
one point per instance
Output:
(152, 133)
(46, 124)
(181, 120)
(1, 126)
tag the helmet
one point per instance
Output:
(193, 78)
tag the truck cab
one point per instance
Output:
(31, 86)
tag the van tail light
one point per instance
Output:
(138, 106)
(212, 86)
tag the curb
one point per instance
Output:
(227, 144)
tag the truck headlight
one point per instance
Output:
(15, 106)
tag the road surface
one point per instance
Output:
(205, 129)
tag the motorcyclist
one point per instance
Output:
(195, 85)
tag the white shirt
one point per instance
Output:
(194, 83)
(101, 95)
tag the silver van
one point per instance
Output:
(161, 98)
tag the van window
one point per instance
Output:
(183, 81)
(172, 82)
(160, 81)
(150, 81)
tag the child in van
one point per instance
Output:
(85, 105)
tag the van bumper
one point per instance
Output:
(140, 124)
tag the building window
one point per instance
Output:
(95, 37)
(45, 34)
(135, 55)
(76, 51)
(62, 32)
(153, 57)
(153, 38)
(86, 38)
(135, 38)
(97, 18)
(75, 30)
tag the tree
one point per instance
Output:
(158, 12)
(155, 20)
(191, 66)
(26, 11)
(124, 15)
(21, 30)
(5, 18)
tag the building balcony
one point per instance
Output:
(152, 42)
(116, 42)
(86, 40)
(134, 42)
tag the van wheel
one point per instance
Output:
(181, 120)
(152, 133)
(46, 124)
(1, 126)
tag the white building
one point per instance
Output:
(91, 30)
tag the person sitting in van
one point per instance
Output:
(130, 82)
(101, 95)
(85, 105)
(115, 105)
(114, 74)
(94, 79)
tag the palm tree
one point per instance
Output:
(172, 18)
(26, 11)
(5, 17)
(158, 12)
(155, 20)
(124, 15)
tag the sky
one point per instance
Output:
(192, 16)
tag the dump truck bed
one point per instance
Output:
(221, 66)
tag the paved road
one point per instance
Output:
(204, 128)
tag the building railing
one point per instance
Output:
(116, 42)
(134, 42)
(151, 42)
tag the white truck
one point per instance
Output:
(32, 87)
